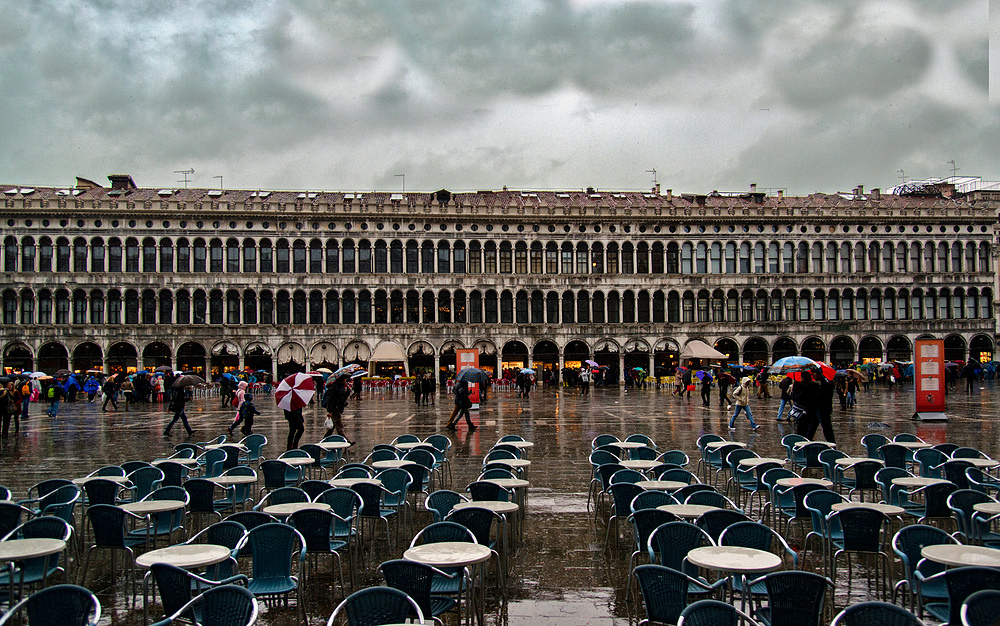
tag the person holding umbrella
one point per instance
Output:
(462, 406)
(335, 401)
(706, 388)
(292, 395)
(182, 394)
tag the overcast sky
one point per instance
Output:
(806, 95)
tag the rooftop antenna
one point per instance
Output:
(220, 181)
(953, 168)
(653, 172)
(185, 173)
(403, 176)
(902, 175)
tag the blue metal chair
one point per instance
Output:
(972, 526)
(674, 457)
(377, 605)
(314, 487)
(273, 548)
(881, 613)
(416, 580)
(967, 453)
(250, 520)
(961, 583)
(59, 605)
(650, 500)
(373, 510)
(680, 475)
(178, 586)
(102, 491)
(714, 522)
(981, 608)
(907, 544)
(669, 544)
(355, 470)
(713, 613)
(38, 570)
(819, 503)
(278, 474)
(665, 592)
(864, 534)
(872, 442)
(954, 471)
(981, 481)
(225, 605)
(794, 597)
(108, 470)
(226, 533)
(318, 530)
(894, 455)
(703, 448)
(439, 532)
(603, 440)
(254, 444)
(891, 493)
(796, 457)
(242, 492)
(201, 497)
(643, 454)
(144, 481)
(622, 495)
(174, 474)
(109, 529)
(441, 502)
(929, 461)
(779, 498)
(322, 458)
(211, 462)
(644, 522)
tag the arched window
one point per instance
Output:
(131, 307)
(364, 257)
(348, 307)
(283, 308)
(506, 306)
(266, 256)
(889, 304)
(761, 304)
(537, 307)
(428, 313)
(583, 307)
(641, 258)
(299, 257)
(79, 307)
(656, 258)
(315, 306)
(970, 257)
(929, 248)
(79, 255)
(396, 306)
(349, 258)
(44, 254)
(552, 258)
(299, 304)
(232, 307)
(901, 257)
(461, 316)
(777, 312)
(475, 307)
(717, 306)
(283, 259)
(166, 307)
(396, 257)
(215, 260)
(628, 258)
(365, 307)
(490, 307)
(520, 258)
(132, 255)
(942, 257)
(716, 255)
(673, 308)
(817, 258)
(673, 258)
(381, 257)
(568, 306)
(861, 305)
(916, 256)
(427, 257)
(888, 257)
(833, 305)
(232, 256)
(332, 259)
(490, 258)
(759, 258)
(444, 307)
(659, 307)
(413, 257)
(267, 308)
(746, 306)
(249, 307)
(701, 258)
(10, 254)
(971, 301)
(249, 256)
(845, 258)
(183, 256)
(956, 257)
(984, 257)
(62, 307)
(859, 258)
(788, 258)
(381, 307)
(688, 307)
(831, 258)
(28, 255)
(62, 254)
(703, 306)
(332, 307)
(597, 306)
(628, 307)
(903, 304)
(774, 258)
(200, 308)
(413, 307)
(521, 307)
(183, 307)
(730, 258)
(215, 307)
(805, 304)
(552, 308)
(614, 308)
(746, 259)
(687, 256)
(315, 257)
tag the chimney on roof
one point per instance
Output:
(670, 194)
(656, 188)
(753, 187)
(876, 194)
(86, 183)
(859, 191)
(121, 181)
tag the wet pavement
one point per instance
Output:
(561, 574)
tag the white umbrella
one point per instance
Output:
(295, 391)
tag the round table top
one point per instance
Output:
(298, 460)
(492, 505)
(509, 483)
(350, 482)
(848, 461)
(409, 445)
(16, 549)
(629, 445)
(917, 481)
(687, 511)
(286, 509)
(180, 460)
(959, 555)
(713, 445)
(185, 555)
(115, 479)
(514, 462)
(887, 509)
(334, 445)
(755, 461)
(390, 463)
(216, 446)
(912, 445)
(990, 508)
(798, 445)
(734, 559)
(233, 480)
(153, 506)
(519, 444)
(448, 553)
(660, 485)
(796, 481)
(639, 464)
(981, 463)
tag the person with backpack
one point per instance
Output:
(245, 415)
(110, 390)
(741, 399)
(53, 395)
(335, 401)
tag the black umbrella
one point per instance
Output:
(63, 372)
(164, 369)
(473, 375)
(187, 380)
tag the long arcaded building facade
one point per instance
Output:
(120, 277)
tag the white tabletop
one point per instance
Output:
(182, 461)
(390, 463)
(714, 445)
(734, 559)
(448, 553)
(640, 464)
(990, 508)
(235, 479)
(502, 508)
(518, 444)
(185, 555)
(334, 445)
(350, 482)
(409, 445)
(661, 485)
(796, 481)
(687, 511)
(798, 445)
(217, 446)
(509, 483)
(286, 509)
(16, 549)
(153, 506)
(755, 461)
(959, 555)
(917, 481)
(519, 462)
(629, 445)
(298, 460)
(121, 480)
(887, 509)
(981, 463)
(848, 461)
(912, 445)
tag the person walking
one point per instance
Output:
(53, 395)
(91, 387)
(335, 401)
(244, 415)
(8, 410)
(805, 395)
(852, 392)
(706, 389)
(784, 386)
(25, 400)
(427, 386)
(418, 388)
(128, 392)
(584, 381)
(462, 406)
(110, 390)
(180, 398)
(296, 426)
(356, 390)
(969, 372)
(725, 379)
(741, 399)
(824, 410)
(762, 390)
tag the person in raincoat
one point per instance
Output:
(741, 399)
(244, 415)
(706, 389)
(91, 387)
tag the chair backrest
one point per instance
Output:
(644, 454)
(508, 438)
(795, 598)
(377, 605)
(749, 534)
(251, 519)
(443, 531)
(440, 442)
(640, 438)
(622, 494)
(381, 455)
(295, 453)
(819, 503)
(226, 533)
(440, 503)
(169, 493)
(894, 455)
(962, 582)
(884, 478)
(664, 592)
(232, 458)
(271, 547)
(479, 521)
(58, 605)
(862, 528)
(422, 457)
(710, 498)
(344, 502)
(603, 440)
(314, 487)
(980, 480)
(650, 500)
(185, 453)
(316, 527)
(283, 495)
(674, 456)
(39, 490)
(669, 543)
(910, 540)
(734, 458)
(371, 497)
(145, 480)
(101, 491)
(412, 578)
(685, 492)
(811, 452)
(131, 466)
(680, 475)
(928, 459)
(254, 443)
(936, 499)
(212, 462)
(875, 612)
(712, 613)
(644, 522)
(947, 448)
(954, 470)
(108, 525)
(872, 442)
(864, 474)
(395, 480)
(497, 472)
(46, 527)
(789, 442)
(627, 476)
(201, 495)
(406, 438)
(908, 437)
(714, 522)
(981, 608)
(482, 490)
(828, 459)
(108, 470)
(509, 448)
(961, 503)
(173, 473)
(355, 472)
(274, 473)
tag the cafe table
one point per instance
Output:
(627, 445)
(795, 481)
(641, 465)
(502, 509)
(409, 445)
(151, 508)
(347, 483)
(518, 485)
(334, 445)
(121, 480)
(912, 445)
(390, 463)
(219, 446)
(798, 445)
(917, 482)
(850, 461)
(188, 463)
(959, 555)
(755, 461)
(661, 485)
(715, 445)
(735, 560)
(981, 463)
(287, 508)
(184, 556)
(687, 511)
(13, 551)
(458, 554)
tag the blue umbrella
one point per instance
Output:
(229, 376)
(142, 372)
(793, 364)
(702, 375)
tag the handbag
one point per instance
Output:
(796, 413)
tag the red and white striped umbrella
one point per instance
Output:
(295, 391)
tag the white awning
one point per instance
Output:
(701, 350)
(388, 351)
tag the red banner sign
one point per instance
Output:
(469, 358)
(928, 376)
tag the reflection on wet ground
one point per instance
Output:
(561, 574)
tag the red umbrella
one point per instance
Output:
(295, 391)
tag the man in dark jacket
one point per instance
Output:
(824, 410)
(335, 401)
(804, 395)
(110, 391)
(784, 386)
